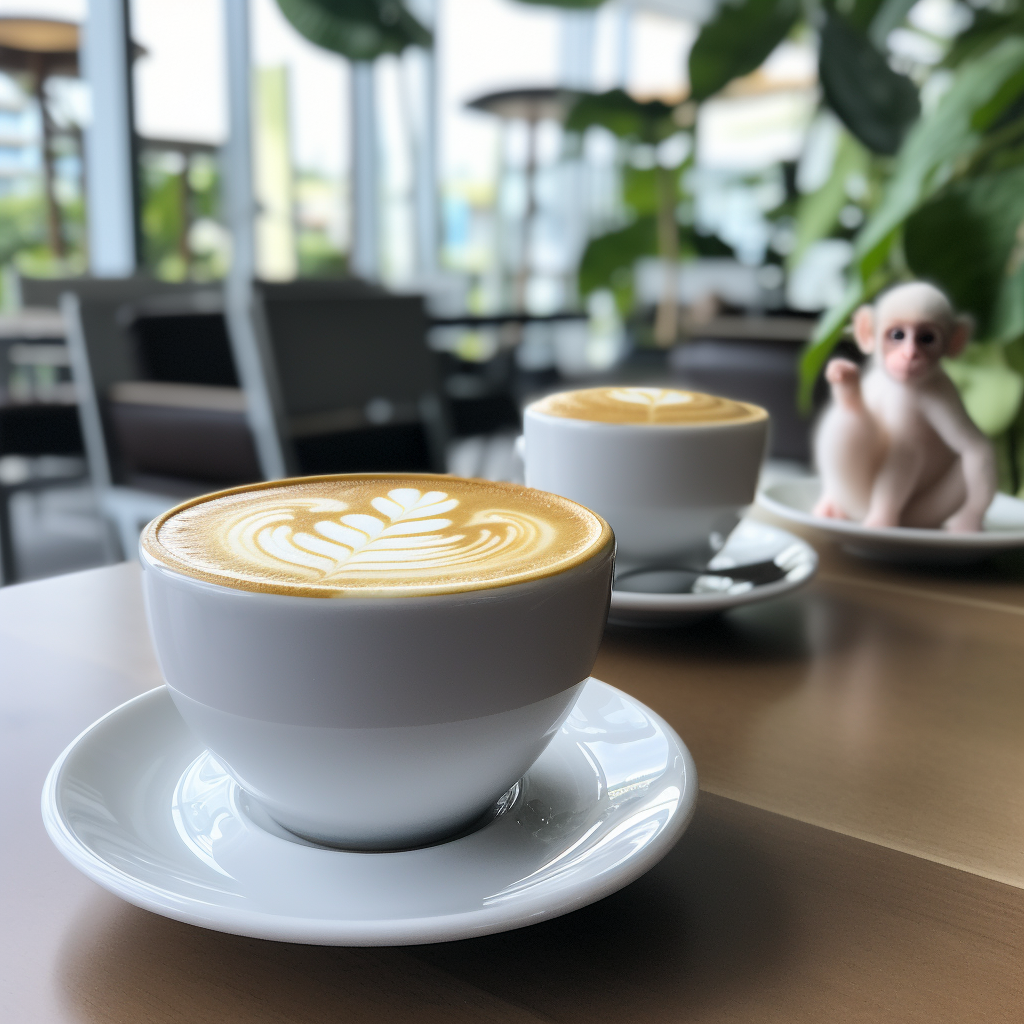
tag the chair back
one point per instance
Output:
(349, 381)
(182, 337)
(105, 320)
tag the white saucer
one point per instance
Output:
(138, 805)
(749, 543)
(1004, 528)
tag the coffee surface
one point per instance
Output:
(375, 535)
(653, 406)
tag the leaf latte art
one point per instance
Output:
(647, 406)
(408, 533)
(335, 535)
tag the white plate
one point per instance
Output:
(1004, 528)
(138, 805)
(750, 542)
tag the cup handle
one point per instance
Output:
(520, 448)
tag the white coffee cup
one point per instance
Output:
(671, 491)
(378, 722)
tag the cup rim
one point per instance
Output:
(578, 423)
(157, 557)
(375, 599)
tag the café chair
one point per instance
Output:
(339, 378)
(40, 443)
(151, 441)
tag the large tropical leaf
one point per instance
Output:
(623, 116)
(990, 388)
(940, 146)
(963, 240)
(737, 40)
(818, 212)
(1008, 312)
(988, 28)
(829, 330)
(644, 190)
(357, 29)
(874, 102)
(608, 259)
(883, 18)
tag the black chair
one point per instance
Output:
(341, 378)
(38, 424)
(157, 428)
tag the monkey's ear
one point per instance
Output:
(864, 329)
(959, 334)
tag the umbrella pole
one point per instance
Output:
(529, 215)
(53, 225)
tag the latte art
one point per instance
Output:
(652, 406)
(361, 535)
(408, 534)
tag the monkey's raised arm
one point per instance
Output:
(945, 411)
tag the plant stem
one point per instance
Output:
(992, 144)
(666, 321)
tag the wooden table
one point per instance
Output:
(857, 854)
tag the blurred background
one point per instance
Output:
(246, 238)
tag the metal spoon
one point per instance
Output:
(673, 578)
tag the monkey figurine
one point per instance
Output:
(898, 448)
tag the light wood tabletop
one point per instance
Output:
(857, 852)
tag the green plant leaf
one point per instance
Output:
(829, 330)
(579, 4)
(623, 116)
(988, 28)
(889, 14)
(963, 239)
(641, 188)
(817, 213)
(608, 259)
(737, 40)
(22, 220)
(874, 102)
(357, 29)
(990, 388)
(1008, 312)
(992, 113)
(938, 147)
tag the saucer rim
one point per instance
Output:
(686, 604)
(343, 932)
(890, 536)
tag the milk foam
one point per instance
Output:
(652, 406)
(365, 535)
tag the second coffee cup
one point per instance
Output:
(671, 471)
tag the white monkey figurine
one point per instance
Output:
(898, 448)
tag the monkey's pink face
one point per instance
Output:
(911, 349)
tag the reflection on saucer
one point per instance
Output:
(679, 581)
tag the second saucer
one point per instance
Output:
(689, 597)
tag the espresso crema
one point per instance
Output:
(653, 406)
(372, 535)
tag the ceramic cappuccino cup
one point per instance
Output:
(671, 471)
(376, 659)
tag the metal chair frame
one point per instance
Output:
(97, 363)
